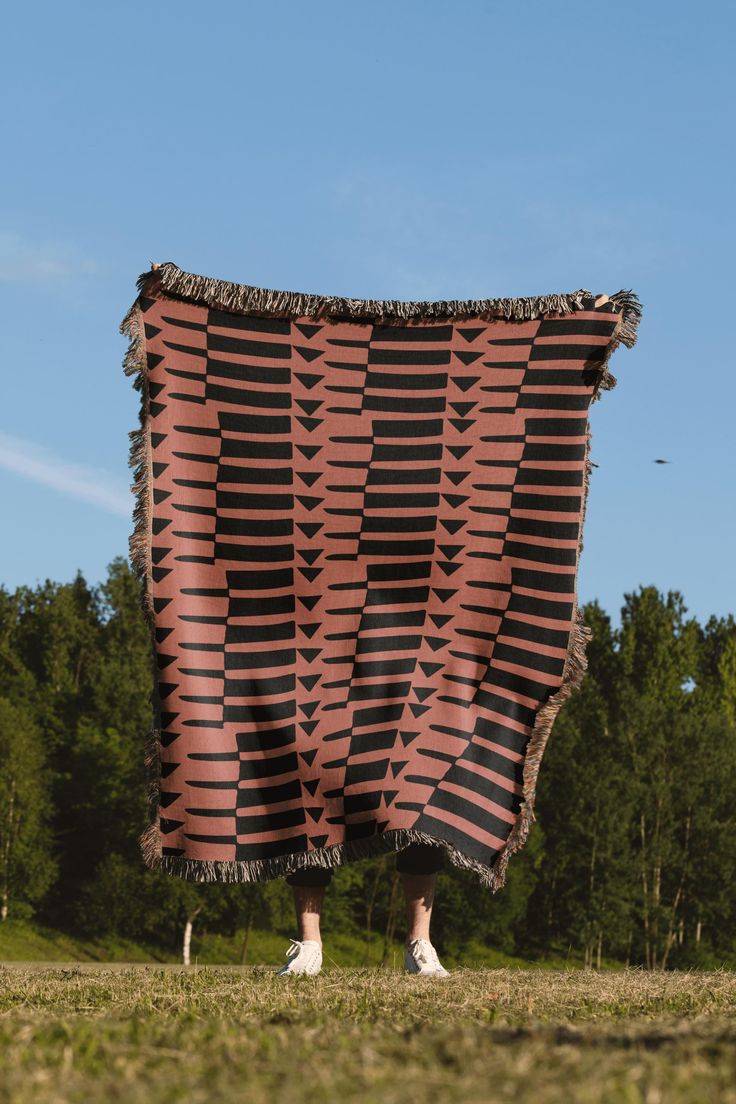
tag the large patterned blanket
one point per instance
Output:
(357, 528)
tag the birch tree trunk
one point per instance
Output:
(7, 852)
(388, 935)
(677, 900)
(369, 907)
(645, 893)
(187, 941)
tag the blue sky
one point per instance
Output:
(397, 150)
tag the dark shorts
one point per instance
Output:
(417, 858)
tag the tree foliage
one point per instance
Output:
(632, 856)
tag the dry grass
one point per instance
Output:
(213, 1034)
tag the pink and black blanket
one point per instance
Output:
(357, 528)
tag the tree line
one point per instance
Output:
(632, 857)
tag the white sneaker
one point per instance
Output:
(420, 957)
(303, 957)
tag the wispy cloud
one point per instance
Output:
(22, 261)
(39, 464)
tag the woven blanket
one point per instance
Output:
(357, 529)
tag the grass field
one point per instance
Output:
(21, 941)
(157, 1034)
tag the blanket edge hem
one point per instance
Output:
(242, 298)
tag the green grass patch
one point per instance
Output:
(156, 1034)
(21, 941)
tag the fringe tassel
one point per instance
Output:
(575, 667)
(243, 298)
(630, 309)
(139, 545)
(257, 870)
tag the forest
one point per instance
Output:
(632, 857)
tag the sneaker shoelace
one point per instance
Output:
(296, 947)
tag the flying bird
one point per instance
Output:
(594, 465)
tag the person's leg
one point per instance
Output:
(308, 886)
(419, 864)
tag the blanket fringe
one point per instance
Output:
(630, 310)
(139, 546)
(334, 855)
(243, 298)
(575, 668)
